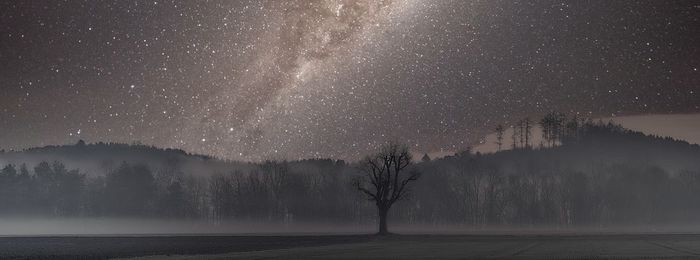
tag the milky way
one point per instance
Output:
(252, 80)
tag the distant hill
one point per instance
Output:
(597, 143)
(99, 158)
(604, 144)
(583, 173)
(595, 174)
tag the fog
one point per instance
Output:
(36, 226)
(585, 177)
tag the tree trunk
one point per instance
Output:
(383, 230)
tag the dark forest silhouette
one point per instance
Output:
(583, 173)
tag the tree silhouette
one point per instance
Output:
(385, 180)
(500, 131)
(552, 128)
(516, 135)
(521, 131)
(527, 126)
(425, 158)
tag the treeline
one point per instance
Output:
(557, 128)
(471, 190)
(584, 173)
(271, 192)
(587, 173)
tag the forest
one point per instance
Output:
(581, 173)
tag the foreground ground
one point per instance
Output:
(357, 246)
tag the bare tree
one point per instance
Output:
(552, 128)
(528, 132)
(500, 131)
(386, 178)
(521, 131)
(546, 124)
(516, 135)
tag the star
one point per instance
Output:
(253, 80)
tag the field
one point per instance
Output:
(356, 246)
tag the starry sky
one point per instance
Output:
(255, 80)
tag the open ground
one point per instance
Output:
(551, 246)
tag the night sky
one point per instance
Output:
(252, 80)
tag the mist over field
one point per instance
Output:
(579, 176)
(38, 226)
(41, 226)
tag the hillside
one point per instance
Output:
(597, 174)
(100, 158)
(602, 144)
(590, 174)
